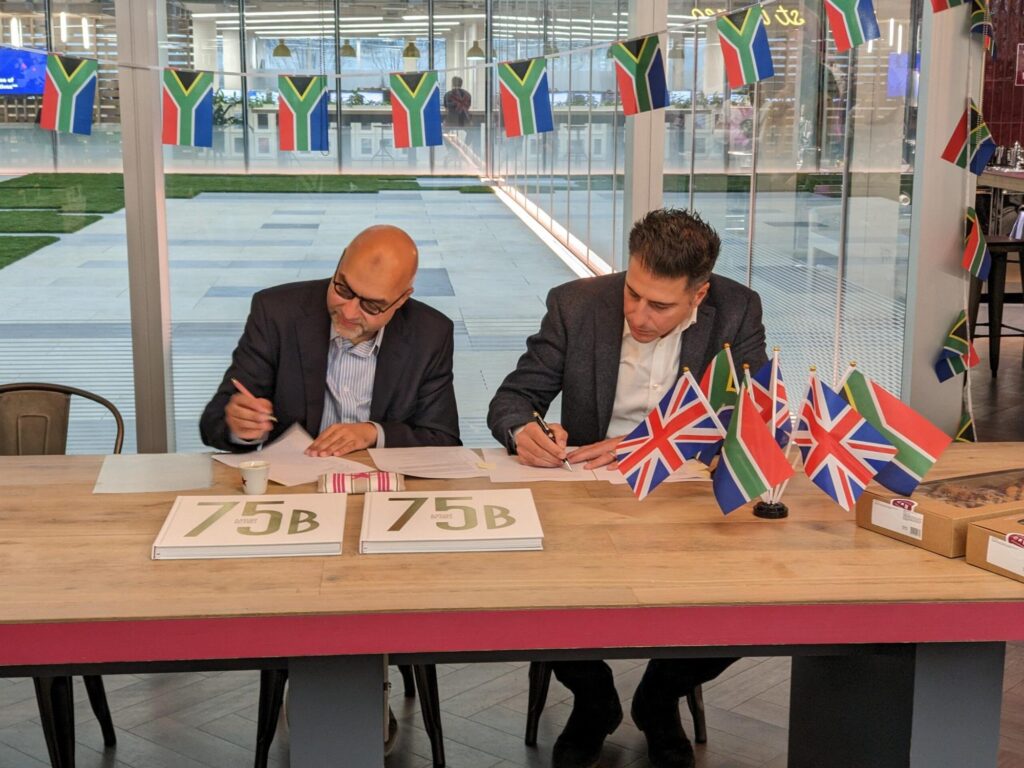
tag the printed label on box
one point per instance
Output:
(903, 521)
(1005, 555)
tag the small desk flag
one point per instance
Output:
(745, 46)
(69, 94)
(841, 451)
(640, 73)
(416, 109)
(525, 101)
(675, 430)
(977, 260)
(188, 108)
(751, 461)
(769, 392)
(302, 113)
(919, 443)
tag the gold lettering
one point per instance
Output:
(766, 17)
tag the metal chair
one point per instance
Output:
(34, 422)
(417, 676)
(540, 680)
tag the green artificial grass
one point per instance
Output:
(75, 197)
(190, 185)
(14, 248)
(43, 221)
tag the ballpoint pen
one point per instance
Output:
(551, 435)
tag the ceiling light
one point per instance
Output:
(475, 52)
(411, 51)
(281, 51)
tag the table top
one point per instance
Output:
(614, 572)
(1003, 179)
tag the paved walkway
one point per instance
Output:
(65, 310)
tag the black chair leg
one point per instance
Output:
(57, 711)
(430, 706)
(695, 701)
(540, 681)
(98, 702)
(271, 697)
(408, 680)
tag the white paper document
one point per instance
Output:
(252, 526)
(690, 472)
(149, 472)
(504, 468)
(289, 465)
(450, 521)
(436, 462)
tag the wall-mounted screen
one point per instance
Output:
(22, 73)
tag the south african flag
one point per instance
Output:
(188, 108)
(853, 22)
(721, 388)
(302, 113)
(971, 145)
(416, 109)
(525, 103)
(958, 354)
(640, 72)
(945, 5)
(977, 259)
(745, 46)
(981, 22)
(69, 94)
(965, 431)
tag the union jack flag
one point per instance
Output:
(772, 400)
(681, 424)
(841, 451)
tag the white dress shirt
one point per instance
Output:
(351, 369)
(646, 372)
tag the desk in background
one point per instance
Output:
(898, 652)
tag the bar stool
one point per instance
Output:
(1000, 247)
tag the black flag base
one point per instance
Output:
(771, 511)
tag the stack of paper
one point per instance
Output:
(437, 462)
(450, 521)
(252, 526)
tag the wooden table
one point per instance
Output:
(898, 653)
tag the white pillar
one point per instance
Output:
(645, 135)
(146, 225)
(935, 283)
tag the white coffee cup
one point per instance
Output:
(254, 476)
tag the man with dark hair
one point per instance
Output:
(457, 102)
(613, 346)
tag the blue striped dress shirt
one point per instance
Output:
(350, 372)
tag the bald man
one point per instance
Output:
(352, 358)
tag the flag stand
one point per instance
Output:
(774, 510)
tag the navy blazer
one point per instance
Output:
(576, 352)
(282, 356)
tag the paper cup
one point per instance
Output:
(254, 476)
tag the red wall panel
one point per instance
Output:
(1004, 102)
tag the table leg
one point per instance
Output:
(924, 706)
(336, 711)
(996, 290)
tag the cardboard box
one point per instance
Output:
(936, 517)
(997, 545)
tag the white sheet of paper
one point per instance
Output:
(289, 465)
(436, 462)
(148, 472)
(507, 469)
(690, 472)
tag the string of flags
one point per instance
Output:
(846, 438)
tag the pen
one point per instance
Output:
(551, 435)
(242, 389)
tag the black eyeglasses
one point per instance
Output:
(369, 306)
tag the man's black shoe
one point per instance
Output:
(667, 745)
(579, 744)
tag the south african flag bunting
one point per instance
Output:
(188, 108)
(640, 73)
(302, 113)
(958, 354)
(971, 145)
(525, 103)
(981, 22)
(745, 46)
(416, 109)
(977, 259)
(945, 5)
(853, 22)
(69, 94)
(965, 430)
